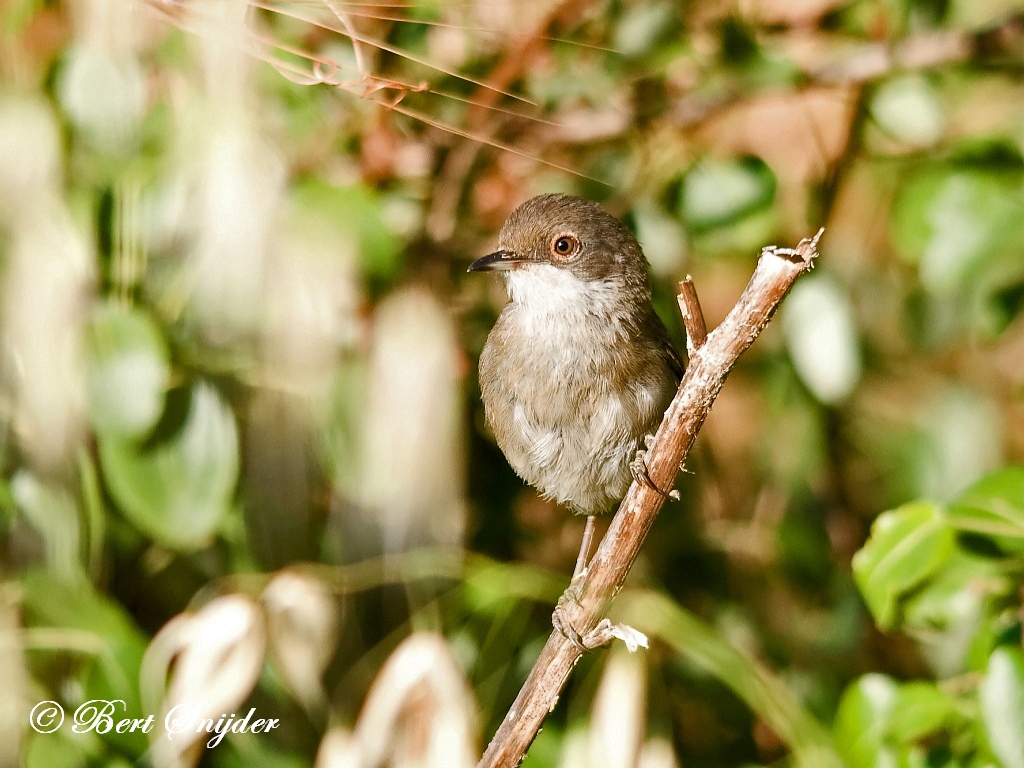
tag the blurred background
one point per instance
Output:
(244, 458)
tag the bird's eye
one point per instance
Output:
(565, 246)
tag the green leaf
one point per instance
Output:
(907, 545)
(994, 507)
(953, 615)
(128, 371)
(1001, 695)
(921, 709)
(948, 220)
(862, 721)
(178, 490)
(880, 722)
(720, 192)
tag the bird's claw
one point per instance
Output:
(638, 466)
(560, 618)
(600, 635)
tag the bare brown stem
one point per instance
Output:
(693, 316)
(710, 363)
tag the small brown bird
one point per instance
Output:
(578, 369)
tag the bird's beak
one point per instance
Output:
(499, 261)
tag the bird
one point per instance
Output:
(578, 369)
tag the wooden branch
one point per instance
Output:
(709, 364)
(693, 317)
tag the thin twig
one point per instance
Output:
(693, 316)
(357, 45)
(777, 270)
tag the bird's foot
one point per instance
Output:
(638, 466)
(560, 618)
(600, 635)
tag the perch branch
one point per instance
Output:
(710, 363)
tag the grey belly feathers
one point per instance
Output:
(552, 383)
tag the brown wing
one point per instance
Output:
(675, 360)
(668, 349)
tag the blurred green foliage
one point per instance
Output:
(950, 575)
(238, 355)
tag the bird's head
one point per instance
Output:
(571, 235)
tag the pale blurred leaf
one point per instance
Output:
(211, 660)
(358, 212)
(964, 436)
(1001, 695)
(420, 711)
(302, 627)
(908, 109)
(619, 717)
(129, 371)
(821, 335)
(640, 26)
(662, 238)
(719, 192)
(104, 94)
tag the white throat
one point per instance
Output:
(545, 288)
(548, 299)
